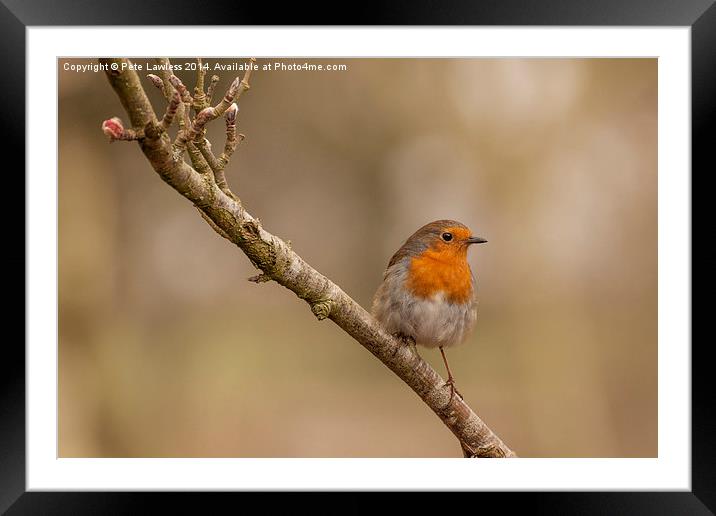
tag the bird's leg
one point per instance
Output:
(450, 380)
(405, 339)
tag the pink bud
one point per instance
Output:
(156, 80)
(113, 128)
(231, 113)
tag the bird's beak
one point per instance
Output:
(476, 240)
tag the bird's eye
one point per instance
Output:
(447, 236)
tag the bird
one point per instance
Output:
(428, 293)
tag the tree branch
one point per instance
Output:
(222, 209)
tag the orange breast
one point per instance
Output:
(441, 270)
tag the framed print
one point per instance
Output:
(498, 213)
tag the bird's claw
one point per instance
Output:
(453, 390)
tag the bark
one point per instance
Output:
(274, 258)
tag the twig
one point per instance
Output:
(204, 147)
(168, 90)
(199, 95)
(274, 257)
(197, 160)
(171, 111)
(231, 140)
(210, 89)
(186, 99)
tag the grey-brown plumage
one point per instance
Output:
(428, 291)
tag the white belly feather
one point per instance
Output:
(436, 322)
(432, 322)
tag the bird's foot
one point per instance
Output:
(453, 390)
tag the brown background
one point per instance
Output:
(166, 350)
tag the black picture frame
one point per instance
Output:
(16, 15)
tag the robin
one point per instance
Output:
(427, 296)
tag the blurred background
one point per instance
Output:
(166, 350)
